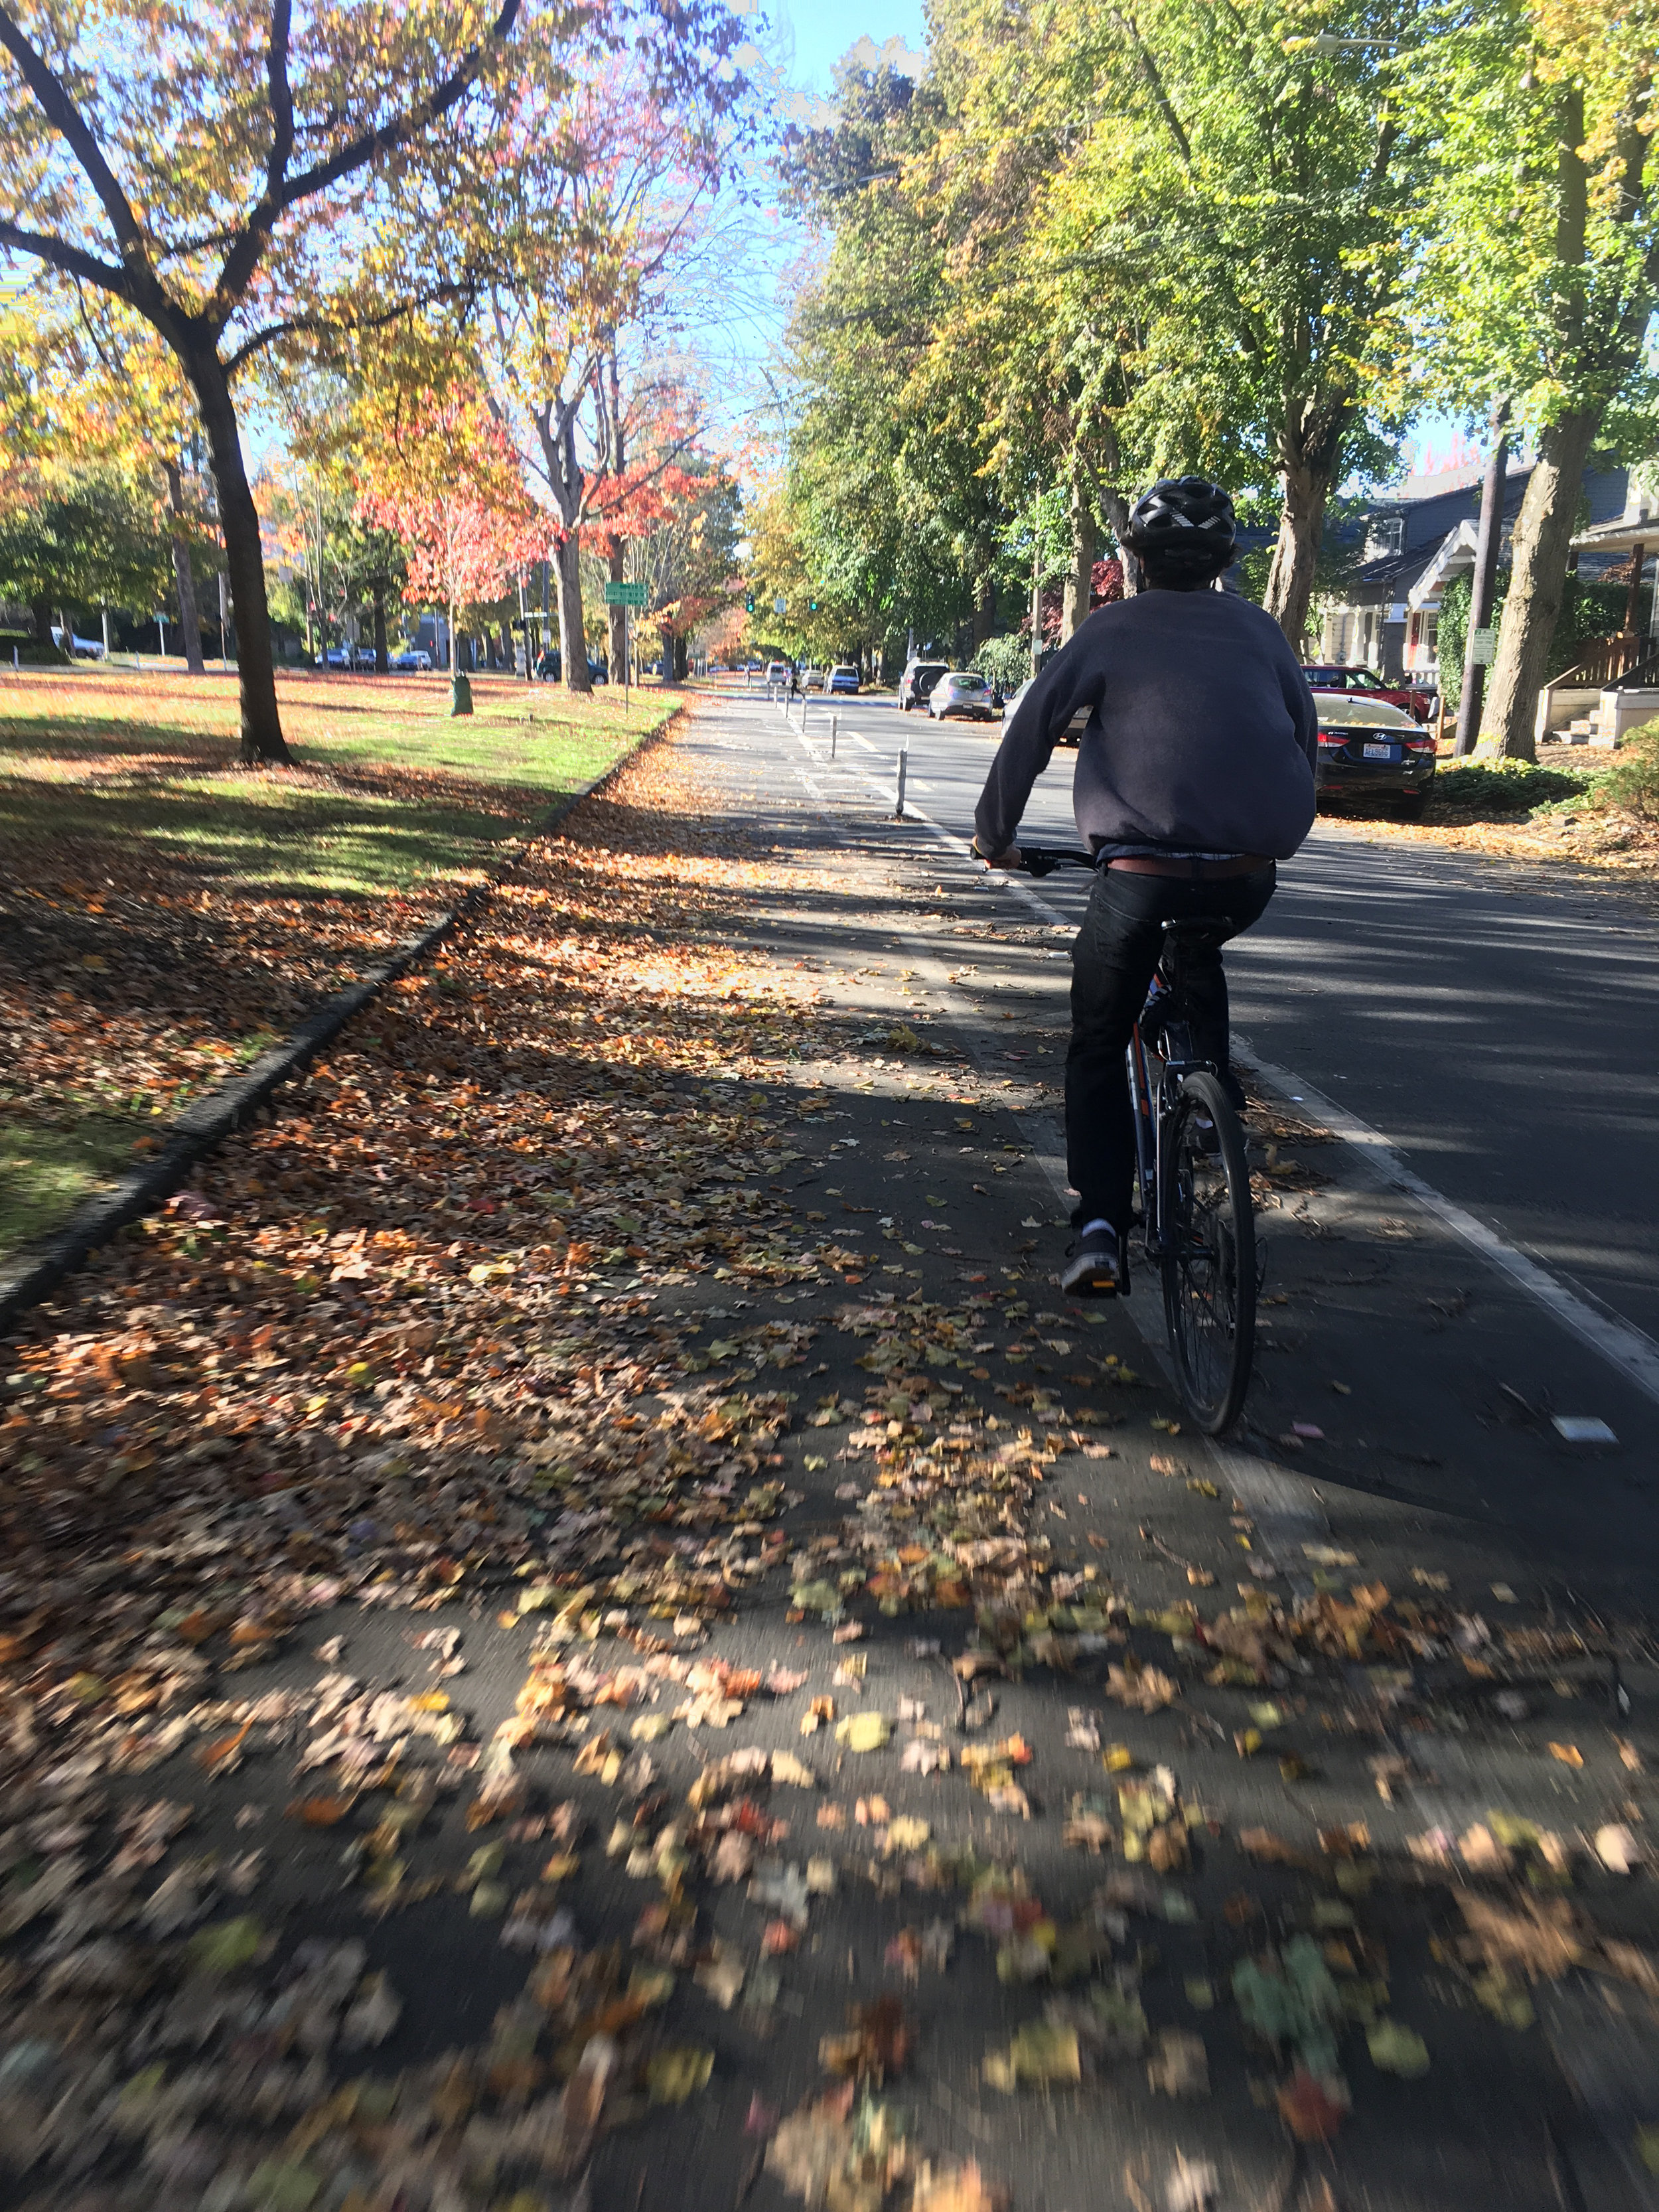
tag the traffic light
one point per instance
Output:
(811, 606)
(749, 604)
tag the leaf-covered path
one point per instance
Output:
(581, 1608)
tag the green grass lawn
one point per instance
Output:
(389, 790)
(165, 912)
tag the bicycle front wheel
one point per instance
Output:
(1209, 1253)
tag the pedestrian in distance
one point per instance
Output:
(1195, 776)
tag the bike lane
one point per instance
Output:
(1381, 1453)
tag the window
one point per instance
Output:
(1385, 536)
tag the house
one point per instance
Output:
(1413, 538)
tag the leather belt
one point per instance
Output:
(1145, 863)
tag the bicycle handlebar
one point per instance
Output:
(1043, 859)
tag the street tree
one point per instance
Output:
(1259, 198)
(252, 175)
(226, 182)
(77, 536)
(625, 164)
(686, 554)
(1541, 277)
(105, 390)
(894, 514)
(446, 482)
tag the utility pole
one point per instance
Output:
(1476, 649)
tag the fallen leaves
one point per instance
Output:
(876, 2044)
(864, 1732)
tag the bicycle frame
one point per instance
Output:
(1154, 1109)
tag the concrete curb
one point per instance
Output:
(29, 1278)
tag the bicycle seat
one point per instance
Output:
(1195, 933)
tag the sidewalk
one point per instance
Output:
(645, 1336)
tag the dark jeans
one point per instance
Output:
(1112, 962)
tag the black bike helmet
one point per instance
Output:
(1186, 524)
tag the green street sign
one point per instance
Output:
(624, 595)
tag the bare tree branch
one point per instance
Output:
(388, 137)
(60, 111)
(56, 254)
(1165, 106)
(281, 99)
(334, 324)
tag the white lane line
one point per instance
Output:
(1621, 1345)
(1040, 907)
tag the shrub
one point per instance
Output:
(1633, 781)
(1003, 660)
(1506, 787)
(31, 653)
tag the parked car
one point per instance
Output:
(918, 680)
(79, 648)
(363, 657)
(412, 660)
(336, 656)
(843, 678)
(1365, 683)
(1071, 735)
(962, 692)
(1367, 745)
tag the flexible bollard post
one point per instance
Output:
(835, 724)
(903, 769)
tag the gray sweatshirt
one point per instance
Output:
(1202, 737)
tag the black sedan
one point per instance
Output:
(961, 692)
(1369, 748)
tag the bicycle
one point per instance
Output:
(1198, 1225)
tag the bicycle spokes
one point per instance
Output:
(1209, 1253)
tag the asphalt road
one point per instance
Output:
(1499, 1025)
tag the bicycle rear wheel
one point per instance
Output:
(1209, 1253)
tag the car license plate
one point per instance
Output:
(1381, 752)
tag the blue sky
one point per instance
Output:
(822, 30)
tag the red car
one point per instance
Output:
(1366, 684)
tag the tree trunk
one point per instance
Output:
(572, 642)
(382, 664)
(1538, 575)
(1074, 605)
(615, 617)
(239, 519)
(985, 607)
(682, 656)
(40, 616)
(190, 617)
(1117, 515)
(460, 691)
(1296, 555)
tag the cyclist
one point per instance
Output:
(1195, 774)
